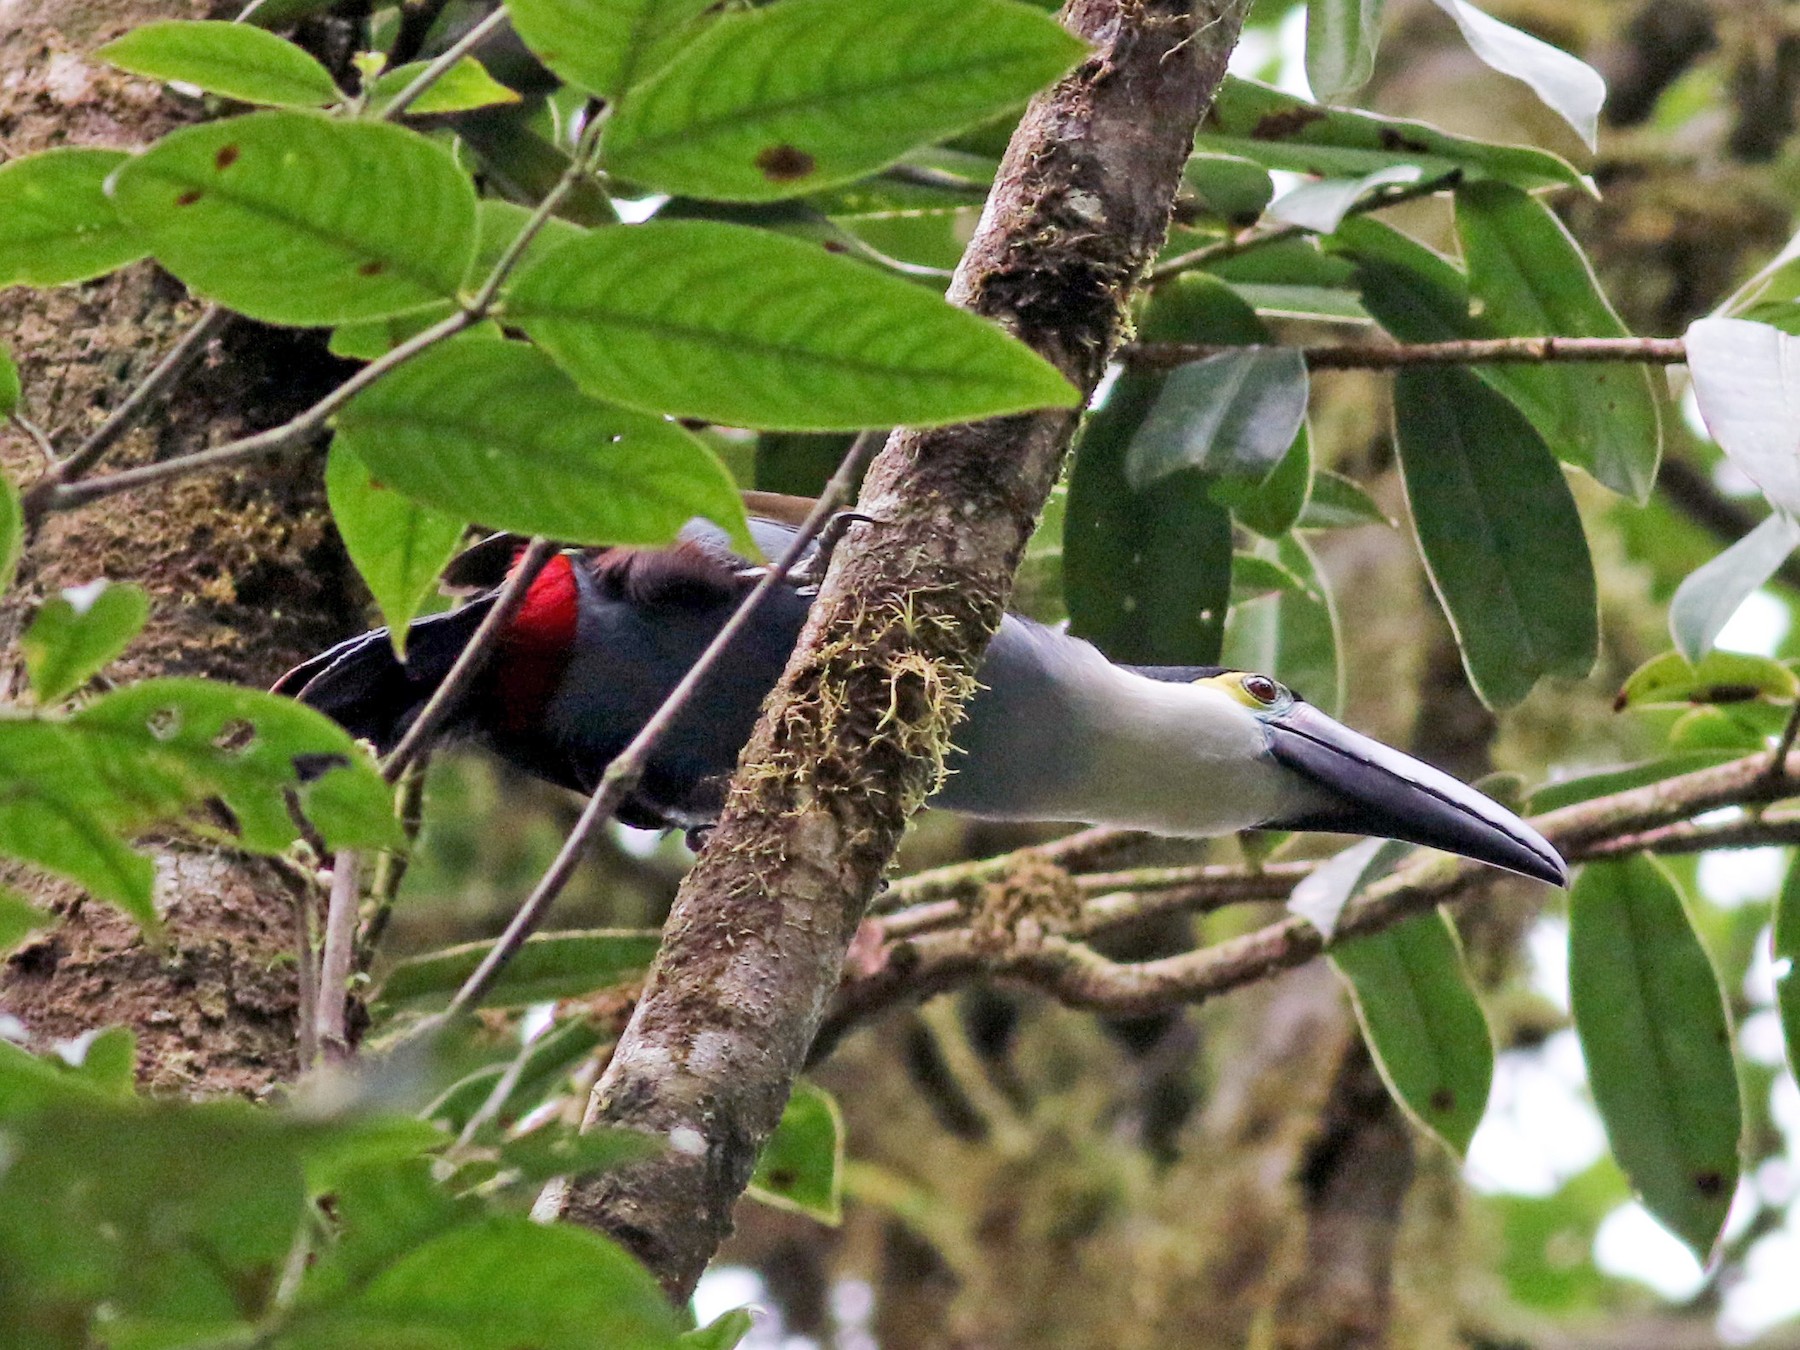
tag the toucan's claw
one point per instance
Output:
(811, 570)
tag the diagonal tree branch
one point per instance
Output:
(851, 739)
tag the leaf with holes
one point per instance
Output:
(494, 432)
(549, 966)
(1654, 1032)
(802, 1165)
(605, 46)
(464, 86)
(77, 632)
(56, 223)
(1422, 1023)
(747, 328)
(292, 218)
(165, 746)
(231, 59)
(787, 99)
(1499, 532)
(398, 546)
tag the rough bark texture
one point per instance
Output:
(851, 739)
(243, 575)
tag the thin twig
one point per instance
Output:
(1401, 355)
(1784, 746)
(306, 962)
(336, 959)
(471, 661)
(390, 868)
(503, 1088)
(1255, 237)
(622, 774)
(37, 437)
(442, 63)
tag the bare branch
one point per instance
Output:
(336, 956)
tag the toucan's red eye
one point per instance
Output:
(1261, 688)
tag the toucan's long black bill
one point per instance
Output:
(1367, 788)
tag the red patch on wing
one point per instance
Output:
(537, 645)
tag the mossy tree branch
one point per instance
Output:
(851, 739)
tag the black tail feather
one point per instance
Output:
(362, 686)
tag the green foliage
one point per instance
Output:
(19, 919)
(1499, 532)
(230, 59)
(1235, 415)
(605, 46)
(1654, 1032)
(398, 546)
(494, 432)
(10, 392)
(1341, 39)
(12, 531)
(464, 86)
(57, 224)
(744, 327)
(1720, 677)
(802, 1165)
(1568, 86)
(1423, 1024)
(549, 966)
(1279, 131)
(1292, 635)
(773, 102)
(77, 632)
(292, 218)
(1786, 948)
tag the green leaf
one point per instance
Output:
(1234, 414)
(1747, 382)
(1423, 1023)
(1569, 87)
(1720, 677)
(1786, 955)
(56, 224)
(548, 1064)
(164, 746)
(499, 1284)
(605, 46)
(398, 546)
(77, 632)
(10, 391)
(231, 59)
(12, 531)
(292, 218)
(1657, 1042)
(1147, 574)
(1341, 39)
(464, 86)
(107, 1059)
(1292, 636)
(744, 327)
(515, 160)
(1531, 278)
(1711, 594)
(19, 919)
(1321, 205)
(494, 432)
(550, 966)
(1232, 187)
(1275, 505)
(56, 810)
(789, 98)
(802, 1165)
(1499, 532)
(1280, 131)
(171, 1211)
(1567, 792)
(1322, 895)
(1337, 502)
(722, 1333)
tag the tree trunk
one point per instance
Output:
(243, 573)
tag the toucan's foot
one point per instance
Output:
(811, 570)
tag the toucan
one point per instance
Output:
(1054, 732)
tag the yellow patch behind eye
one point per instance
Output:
(1232, 683)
